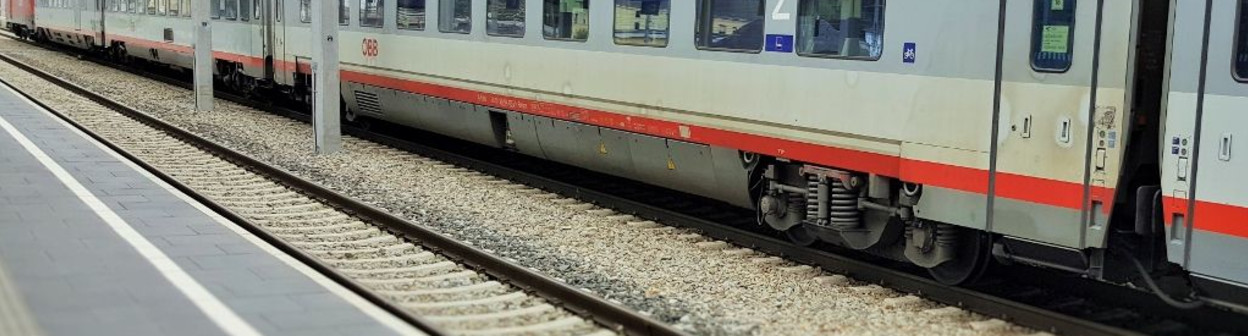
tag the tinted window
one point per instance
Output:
(730, 25)
(305, 11)
(565, 19)
(371, 13)
(344, 12)
(412, 14)
(504, 18)
(229, 9)
(455, 16)
(642, 22)
(848, 28)
(1240, 65)
(244, 10)
(1053, 35)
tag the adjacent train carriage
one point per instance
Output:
(18, 16)
(946, 133)
(1204, 188)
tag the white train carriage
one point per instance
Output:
(161, 31)
(1203, 180)
(832, 88)
(76, 23)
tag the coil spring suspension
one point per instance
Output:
(843, 206)
(946, 235)
(812, 201)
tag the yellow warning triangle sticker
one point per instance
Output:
(671, 165)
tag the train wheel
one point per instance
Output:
(800, 235)
(973, 257)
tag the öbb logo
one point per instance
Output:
(370, 48)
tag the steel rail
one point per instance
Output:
(612, 315)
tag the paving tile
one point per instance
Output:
(83, 278)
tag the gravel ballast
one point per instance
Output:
(702, 286)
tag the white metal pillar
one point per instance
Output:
(325, 99)
(201, 13)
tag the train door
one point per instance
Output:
(1203, 156)
(77, 9)
(274, 33)
(1056, 155)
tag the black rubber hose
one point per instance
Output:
(1162, 295)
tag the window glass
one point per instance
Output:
(162, 7)
(151, 7)
(642, 22)
(136, 6)
(730, 25)
(455, 16)
(257, 9)
(848, 28)
(244, 10)
(344, 12)
(305, 11)
(565, 19)
(504, 18)
(1240, 65)
(372, 13)
(186, 8)
(278, 10)
(412, 14)
(175, 7)
(1053, 35)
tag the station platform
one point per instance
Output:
(92, 244)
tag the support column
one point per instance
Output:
(201, 14)
(325, 89)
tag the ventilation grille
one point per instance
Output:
(368, 102)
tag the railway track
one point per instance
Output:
(438, 284)
(1084, 307)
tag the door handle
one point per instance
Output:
(1224, 147)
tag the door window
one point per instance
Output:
(1053, 35)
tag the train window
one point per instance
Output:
(411, 14)
(565, 20)
(730, 25)
(257, 9)
(1240, 64)
(642, 22)
(151, 7)
(455, 16)
(244, 10)
(344, 12)
(136, 6)
(162, 7)
(504, 18)
(186, 8)
(175, 6)
(1053, 35)
(841, 28)
(230, 11)
(278, 9)
(305, 11)
(371, 13)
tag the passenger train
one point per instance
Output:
(1094, 137)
